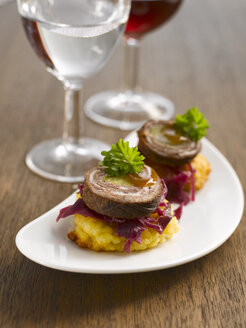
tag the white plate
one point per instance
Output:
(205, 225)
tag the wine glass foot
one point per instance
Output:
(128, 110)
(65, 162)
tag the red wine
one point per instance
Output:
(33, 35)
(147, 15)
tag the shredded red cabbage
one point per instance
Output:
(192, 182)
(178, 211)
(130, 229)
(164, 193)
(81, 188)
(176, 181)
(79, 207)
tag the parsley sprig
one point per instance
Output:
(192, 124)
(122, 159)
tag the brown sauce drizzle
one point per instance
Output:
(146, 178)
(168, 136)
(173, 137)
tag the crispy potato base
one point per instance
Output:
(203, 168)
(100, 236)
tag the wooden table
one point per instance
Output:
(198, 59)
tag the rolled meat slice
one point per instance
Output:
(129, 197)
(161, 143)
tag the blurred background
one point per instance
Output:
(188, 59)
(197, 59)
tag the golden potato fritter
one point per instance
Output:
(100, 236)
(203, 168)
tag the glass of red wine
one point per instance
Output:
(128, 108)
(74, 39)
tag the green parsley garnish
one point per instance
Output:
(122, 159)
(192, 124)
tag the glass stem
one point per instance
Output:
(71, 130)
(131, 65)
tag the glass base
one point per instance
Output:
(65, 162)
(128, 110)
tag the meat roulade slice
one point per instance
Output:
(160, 142)
(127, 197)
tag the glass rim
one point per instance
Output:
(54, 24)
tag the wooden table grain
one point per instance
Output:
(199, 58)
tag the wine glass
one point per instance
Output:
(74, 39)
(128, 108)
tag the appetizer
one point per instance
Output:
(172, 148)
(121, 205)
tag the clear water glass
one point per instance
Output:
(74, 39)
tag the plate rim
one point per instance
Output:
(143, 268)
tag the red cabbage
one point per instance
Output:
(164, 193)
(178, 211)
(176, 181)
(79, 207)
(159, 226)
(159, 209)
(81, 188)
(130, 229)
(192, 182)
